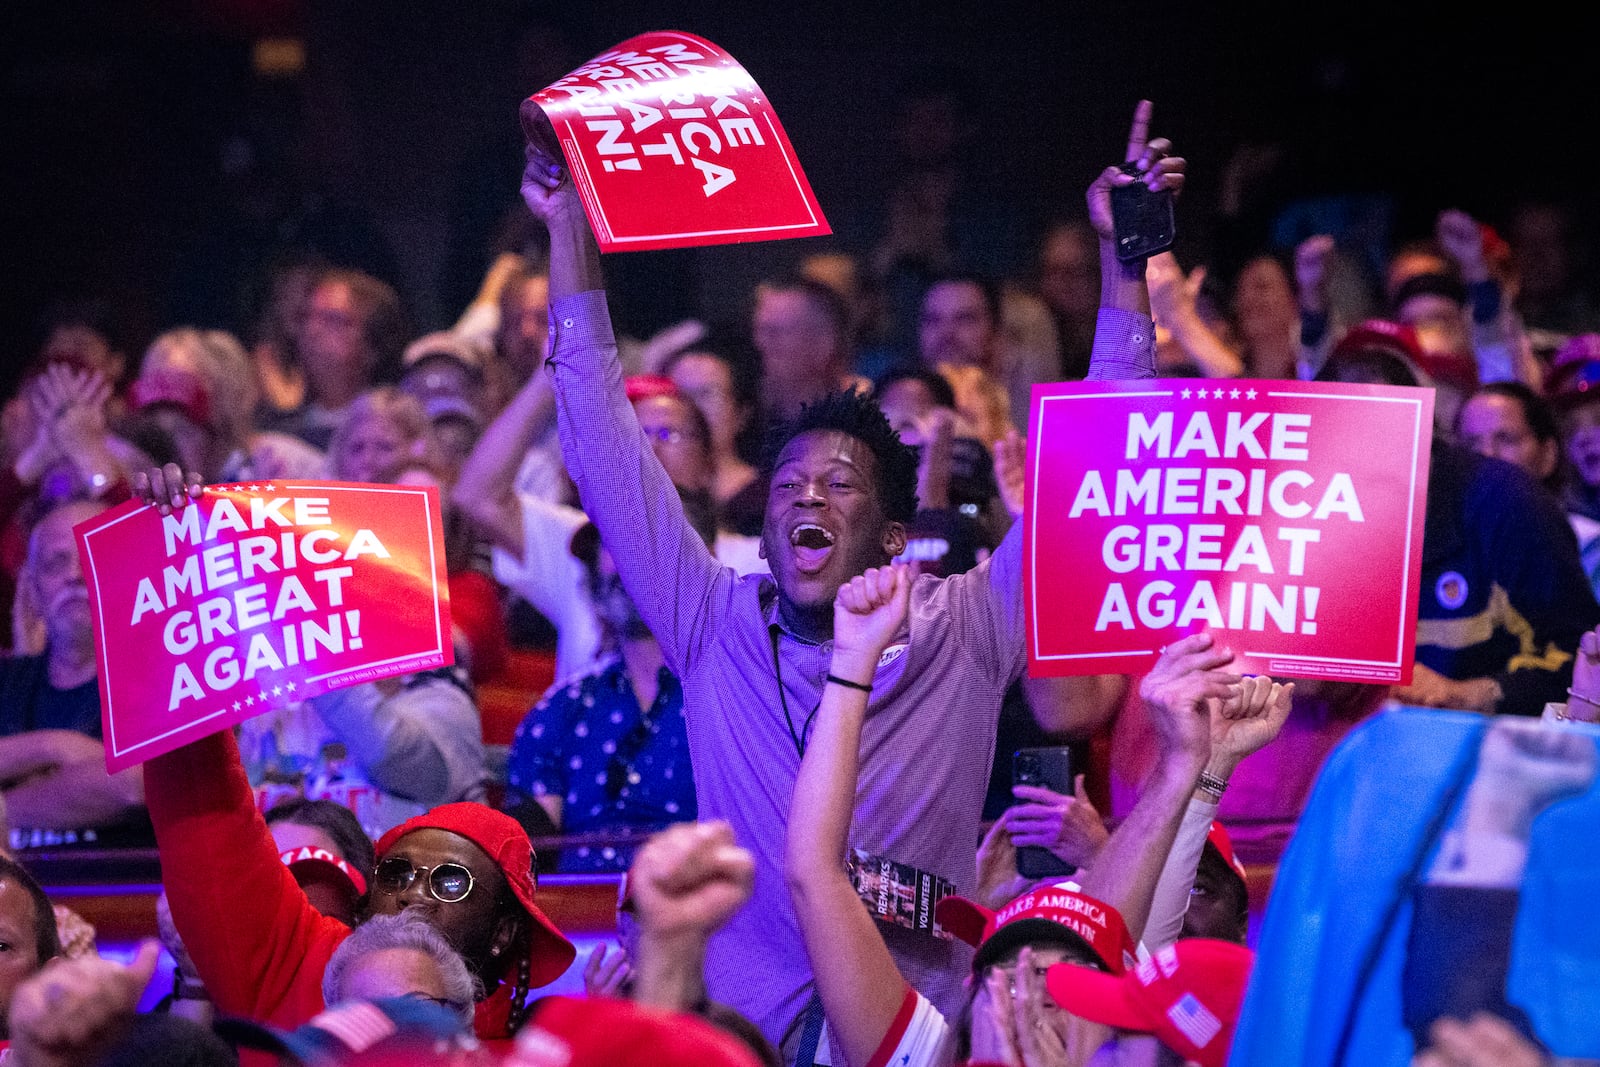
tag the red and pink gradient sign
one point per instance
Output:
(1284, 517)
(256, 596)
(672, 145)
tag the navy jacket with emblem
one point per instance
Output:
(1503, 593)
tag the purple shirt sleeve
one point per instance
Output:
(1124, 347)
(986, 602)
(665, 566)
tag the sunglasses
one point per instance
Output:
(448, 883)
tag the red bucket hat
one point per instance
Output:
(1188, 995)
(506, 842)
(1056, 913)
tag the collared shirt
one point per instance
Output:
(928, 738)
(613, 764)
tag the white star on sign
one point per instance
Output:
(249, 702)
(254, 488)
(1234, 395)
(1186, 393)
(290, 687)
(1251, 395)
(267, 488)
(237, 706)
(277, 690)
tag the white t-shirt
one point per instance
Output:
(916, 1038)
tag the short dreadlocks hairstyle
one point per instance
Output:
(855, 413)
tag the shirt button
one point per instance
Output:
(567, 323)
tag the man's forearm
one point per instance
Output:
(1124, 334)
(76, 796)
(574, 256)
(670, 973)
(486, 487)
(25, 755)
(401, 743)
(1122, 285)
(40, 751)
(1125, 872)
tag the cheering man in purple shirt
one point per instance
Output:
(753, 652)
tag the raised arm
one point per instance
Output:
(205, 818)
(1176, 690)
(486, 487)
(665, 566)
(861, 989)
(684, 885)
(1174, 304)
(986, 602)
(1245, 723)
(1124, 335)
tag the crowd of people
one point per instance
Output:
(780, 584)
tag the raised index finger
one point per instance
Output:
(1139, 133)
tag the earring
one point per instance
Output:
(495, 951)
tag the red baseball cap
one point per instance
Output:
(1188, 995)
(505, 842)
(319, 862)
(1442, 368)
(1055, 913)
(646, 386)
(175, 388)
(600, 1032)
(1218, 838)
(1575, 375)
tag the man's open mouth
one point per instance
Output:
(812, 546)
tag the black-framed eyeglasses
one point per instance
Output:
(448, 883)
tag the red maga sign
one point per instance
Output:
(256, 596)
(1284, 517)
(671, 145)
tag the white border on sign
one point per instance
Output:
(581, 175)
(1405, 578)
(1033, 531)
(433, 578)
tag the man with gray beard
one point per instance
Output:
(52, 763)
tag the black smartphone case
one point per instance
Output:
(1142, 221)
(1051, 768)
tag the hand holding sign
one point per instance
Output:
(214, 605)
(167, 487)
(1158, 509)
(670, 144)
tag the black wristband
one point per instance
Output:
(836, 680)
